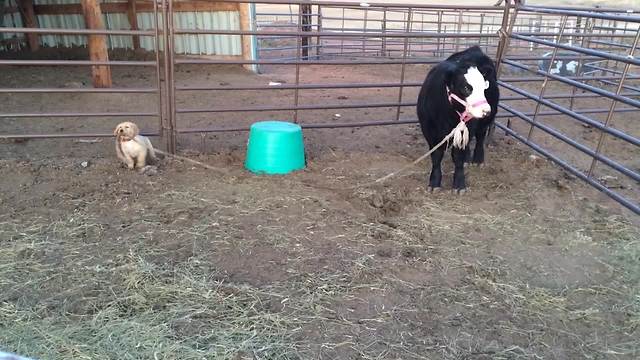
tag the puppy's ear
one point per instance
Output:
(135, 129)
(115, 131)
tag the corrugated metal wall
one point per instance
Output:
(11, 20)
(184, 44)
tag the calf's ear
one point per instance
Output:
(488, 70)
(450, 71)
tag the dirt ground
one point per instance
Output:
(101, 262)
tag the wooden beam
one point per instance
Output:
(133, 21)
(101, 74)
(146, 6)
(29, 20)
(9, 10)
(245, 25)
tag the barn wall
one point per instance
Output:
(184, 44)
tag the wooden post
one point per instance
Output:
(133, 21)
(97, 43)
(29, 19)
(245, 25)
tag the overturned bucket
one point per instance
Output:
(275, 147)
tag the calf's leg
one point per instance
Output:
(435, 179)
(458, 173)
(478, 152)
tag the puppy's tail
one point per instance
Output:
(151, 153)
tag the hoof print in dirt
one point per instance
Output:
(562, 184)
(377, 201)
(385, 252)
(460, 191)
(409, 252)
(390, 223)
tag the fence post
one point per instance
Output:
(161, 102)
(97, 44)
(364, 39)
(543, 89)
(505, 36)
(132, 15)
(508, 21)
(404, 62)
(299, 39)
(583, 42)
(384, 31)
(439, 31)
(482, 29)
(167, 34)
(319, 29)
(305, 18)
(29, 20)
(459, 30)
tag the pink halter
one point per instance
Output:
(465, 116)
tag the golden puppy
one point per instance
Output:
(131, 147)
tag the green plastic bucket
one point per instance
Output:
(275, 147)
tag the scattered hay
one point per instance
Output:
(434, 277)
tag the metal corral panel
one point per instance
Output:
(11, 20)
(184, 44)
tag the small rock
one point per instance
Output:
(149, 170)
(561, 184)
(536, 160)
(492, 347)
(377, 201)
(84, 164)
(611, 182)
(73, 84)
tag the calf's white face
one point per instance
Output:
(477, 104)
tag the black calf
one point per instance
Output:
(470, 76)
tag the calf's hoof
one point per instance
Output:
(459, 191)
